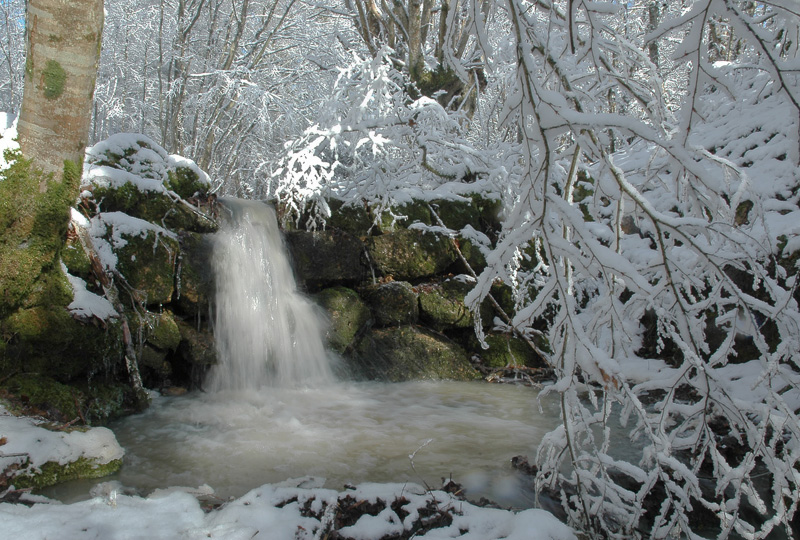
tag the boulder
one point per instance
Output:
(405, 353)
(347, 316)
(353, 219)
(505, 350)
(400, 216)
(410, 254)
(442, 305)
(148, 263)
(392, 303)
(196, 348)
(325, 258)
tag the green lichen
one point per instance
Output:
(52, 473)
(54, 78)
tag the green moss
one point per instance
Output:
(442, 305)
(185, 182)
(351, 218)
(410, 254)
(347, 316)
(58, 400)
(505, 350)
(54, 78)
(405, 353)
(164, 333)
(149, 265)
(393, 303)
(52, 473)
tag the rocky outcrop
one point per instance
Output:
(402, 315)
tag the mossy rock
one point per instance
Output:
(95, 402)
(185, 182)
(490, 213)
(162, 331)
(196, 348)
(406, 353)
(52, 473)
(157, 207)
(400, 216)
(148, 264)
(457, 214)
(392, 303)
(195, 285)
(410, 254)
(49, 340)
(347, 316)
(441, 305)
(505, 350)
(325, 258)
(354, 219)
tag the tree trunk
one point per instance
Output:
(63, 50)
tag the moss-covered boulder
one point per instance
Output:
(197, 347)
(155, 206)
(53, 473)
(392, 303)
(400, 216)
(326, 258)
(48, 340)
(441, 305)
(457, 214)
(160, 330)
(147, 259)
(186, 180)
(95, 402)
(347, 316)
(410, 254)
(45, 454)
(354, 219)
(410, 353)
(506, 350)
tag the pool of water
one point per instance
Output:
(344, 433)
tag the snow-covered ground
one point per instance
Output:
(276, 513)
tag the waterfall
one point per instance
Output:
(266, 332)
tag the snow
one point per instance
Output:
(87, 304)
(121, 225)
(25, 438)
(270, 512)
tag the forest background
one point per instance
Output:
(647, 157)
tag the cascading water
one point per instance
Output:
(266, 332)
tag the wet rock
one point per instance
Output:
(347, 316)
(196, 347)
(410, 254)
(325, 258)
(392, 303)
(195, 284)
(410, 353)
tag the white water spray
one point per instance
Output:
(266, 332)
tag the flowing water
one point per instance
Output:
(266, 332)
(274, 411)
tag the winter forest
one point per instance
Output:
(647, 158)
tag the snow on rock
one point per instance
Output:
(87, 304)
(108, 230)
(273, 512)
(26, 439)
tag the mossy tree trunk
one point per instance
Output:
(63, 50)
(37, 190)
